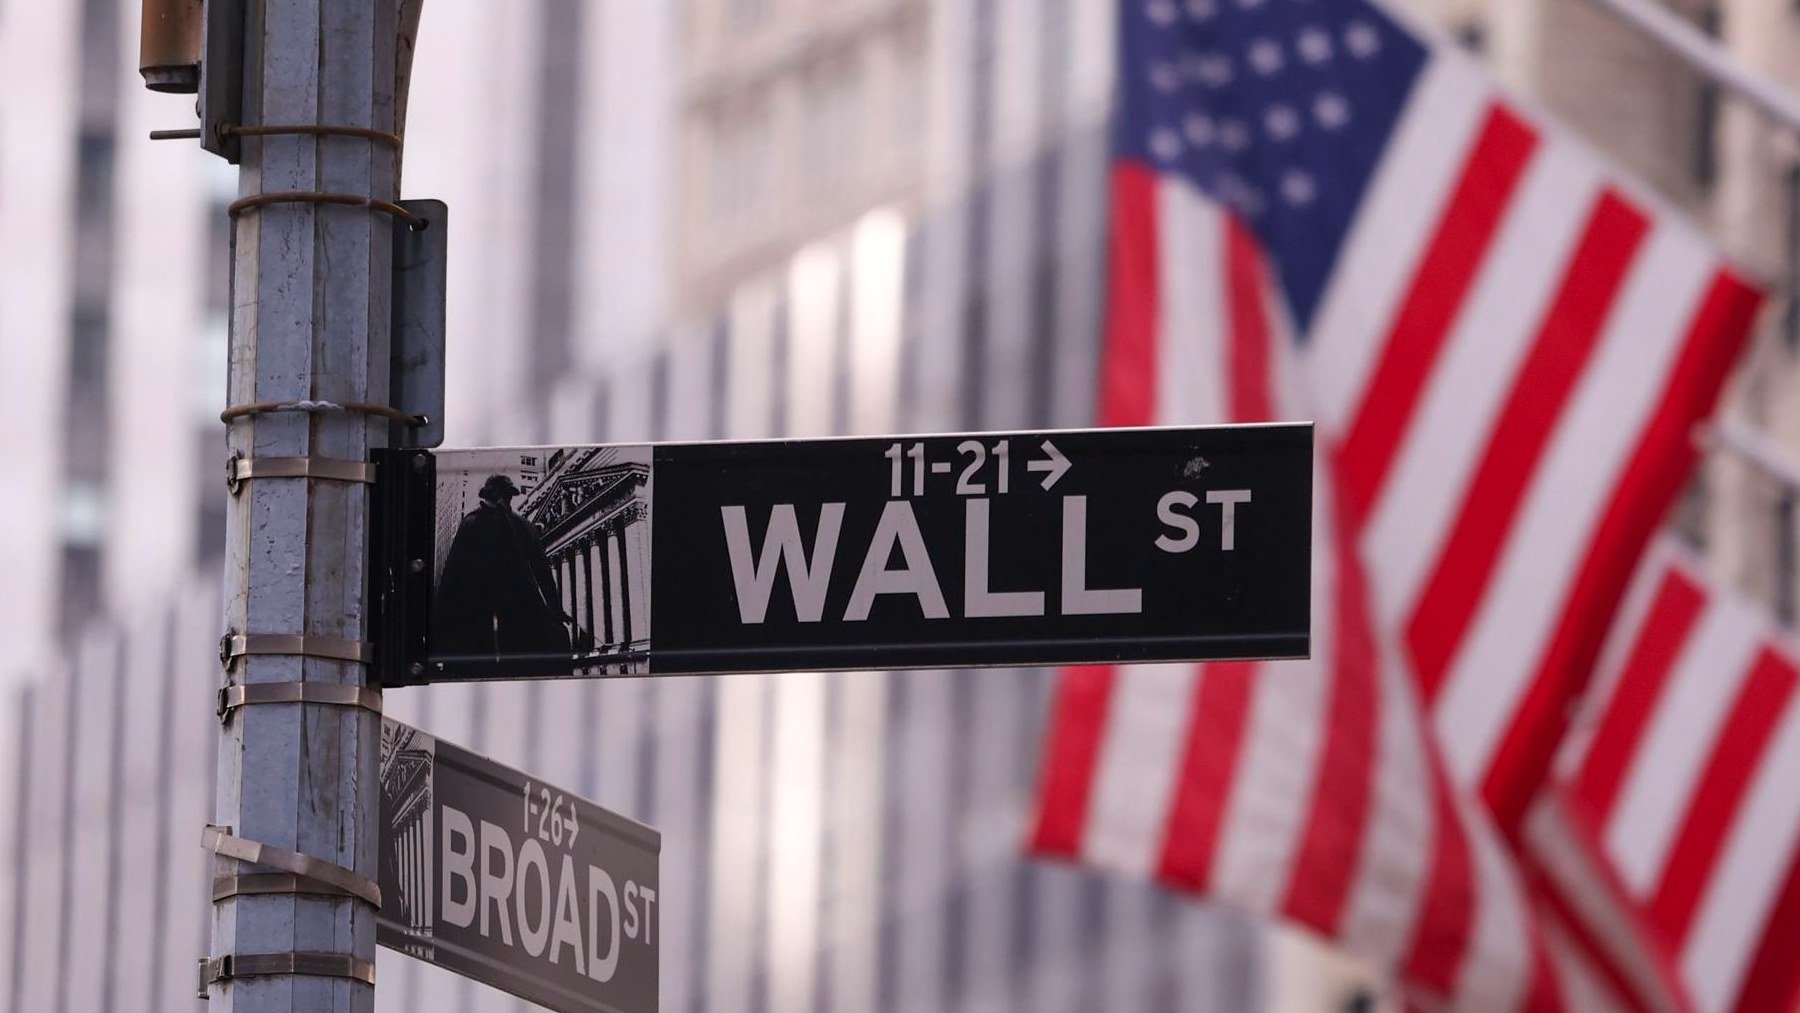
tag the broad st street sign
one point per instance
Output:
(490, 873)
(1043, 548)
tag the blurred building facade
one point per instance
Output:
(719, 218)
(688, 220)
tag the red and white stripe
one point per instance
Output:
(1505, 367)
(1310, 791)
(1687, 780)
(1508, 361)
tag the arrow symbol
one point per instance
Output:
(1056, 464)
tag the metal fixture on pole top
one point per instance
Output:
(169, 45)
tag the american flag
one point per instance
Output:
(1685, 776)
(1317, 212)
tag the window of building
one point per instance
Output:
(1692, 509)
(1787, 554)
(93, 215)
(742, 169)
(743, 15)
(832, 139)
(84, 512)
(209, 530)
(1706, 112)
(910, 99)
(1472, 36)
(80, 588)
(215, 280)
(1790, 321)
(212, 370)
(1787, 509)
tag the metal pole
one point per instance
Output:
(311, 286)
(1668, 30)
(1755, 447)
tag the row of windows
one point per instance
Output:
(746, 157)
(827, 135)
(741, 16)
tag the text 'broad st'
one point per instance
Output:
(499, 877)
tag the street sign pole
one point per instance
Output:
(311, 282)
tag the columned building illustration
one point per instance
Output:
(406, 784)
(592, 509)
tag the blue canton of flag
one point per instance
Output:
(1278, 109)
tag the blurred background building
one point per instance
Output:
(686, 220)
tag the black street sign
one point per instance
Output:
(1046, 548)
(490, 873)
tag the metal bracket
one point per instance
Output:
(416, 366)
(219, 841)
(258, 201)
(296, 645)
(402, 530)
(311, 964)
(240, 469)
(335, 695)
(252, 884)
(222, 77)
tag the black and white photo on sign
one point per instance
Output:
(408, 763)
(545, 553)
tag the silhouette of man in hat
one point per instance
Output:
(497, 595)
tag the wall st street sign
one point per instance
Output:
(497, 876)
(1024, 548)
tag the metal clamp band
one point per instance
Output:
(332, 694)
(297, 645)
(228, 130)
(220, 842)
(387, 207)
(388, 412)
(311, 964)
(261, 883)
(311, 130)
(239, 469)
